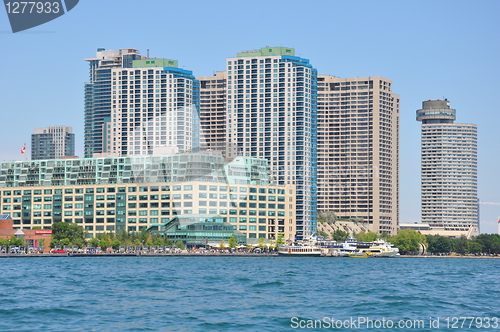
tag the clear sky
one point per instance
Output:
(430, 49)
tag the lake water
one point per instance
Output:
(248, 294)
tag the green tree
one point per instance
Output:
(339, 235)
(179, 244)
(232, 242)
(366, 236)
(169, 242)
(322, 234)
(438, 244)
(73, 232)
(279, 241)
(408, 241)
(262, 243)
(94, 242)
(461, 245)
(14, 241)
(41, 244)
(115, 244)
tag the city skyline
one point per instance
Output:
(423, 61)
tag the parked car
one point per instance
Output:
(58, 251)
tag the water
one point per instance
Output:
(243, 293)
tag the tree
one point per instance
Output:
(322, 234)
(461, 245)
(115, 244)
(232, 242)
(339, 235)
(327, 216)
(439, 244)
(94, 242)
(279, 241)
(14, 241)
(41, 244)
(169, 242)
(366, 236)
(179, 244)
(73, 232)
(222, 244)
(408, 241)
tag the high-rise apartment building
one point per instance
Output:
(449, 168)
(137, 105)
(52, 143)
(213, 113)
(98, 97)
(358, 150)
(155, 109)
(270, 112)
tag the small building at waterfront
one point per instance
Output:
(31, 237)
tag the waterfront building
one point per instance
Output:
(32, 237)
(98, 97)
(270, 98)
(449, 168)
(52, 143)
(358, 150)
(113, 194)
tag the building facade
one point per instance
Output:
(270, 112)
(52, 143)
(449, 168)
(155, 109)
(98, 97)
(131, 193)
(358, 150)
(213, 113)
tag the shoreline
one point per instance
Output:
(191, 254)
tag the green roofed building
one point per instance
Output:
(200, 230)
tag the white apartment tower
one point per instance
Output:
(269, 112)
(449, 168)
(154, 109)
(358, 150)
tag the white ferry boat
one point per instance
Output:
(299, 250)
(380, 248)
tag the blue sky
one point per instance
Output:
(430, 49)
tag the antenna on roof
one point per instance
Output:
(148, 53)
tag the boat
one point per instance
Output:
(303, 250)
(358, 254)
(380, 248)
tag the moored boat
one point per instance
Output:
(299, 250)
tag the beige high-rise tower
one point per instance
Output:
(358, 150)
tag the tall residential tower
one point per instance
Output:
(98, 95)
(137, 106)
(270, 112)
(52, 143)
(449, 168)
(358, 150)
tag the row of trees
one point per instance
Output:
(12, 241)
(483, 243)
(65, 234)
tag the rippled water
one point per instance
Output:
(240, 293)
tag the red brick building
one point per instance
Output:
(31, 236)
